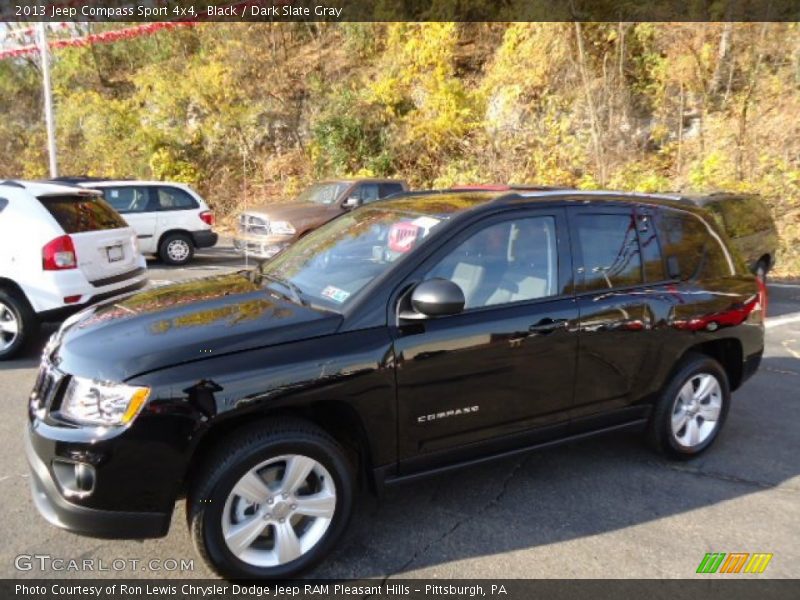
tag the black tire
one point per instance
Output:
(231, 460)
(660, 430)
(26, 321)
(172, 242)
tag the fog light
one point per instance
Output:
(75, 479)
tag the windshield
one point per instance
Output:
(331, 265)
(322, 193)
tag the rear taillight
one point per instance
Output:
(207, 216)
(763, 300)
(59, 254)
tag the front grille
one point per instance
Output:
(46, 388)
(253, 225)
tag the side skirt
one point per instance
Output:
(383, 476)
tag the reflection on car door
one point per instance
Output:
(138, 206)
(616, 308)
(502, 369)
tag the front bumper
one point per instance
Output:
(59, 511)
(261, 246)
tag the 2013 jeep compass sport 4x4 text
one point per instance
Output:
(402, 338)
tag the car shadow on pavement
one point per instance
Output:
(583, 489)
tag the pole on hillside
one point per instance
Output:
(48, 98)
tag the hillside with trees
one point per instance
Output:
(252, 112)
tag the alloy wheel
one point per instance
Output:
(9, 326)
(696, 411)
(279, 510)
(178, 250)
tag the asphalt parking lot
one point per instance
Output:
(606, 507)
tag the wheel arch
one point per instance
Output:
(338, 419)
(727, 352)
(15, 288)
(170, 232)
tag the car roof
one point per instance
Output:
(457, 201)
(359, 180)
(127, 182)
(44, 188)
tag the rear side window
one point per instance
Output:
(3, 204)
(368, 192)
(129, 199)
(79, 214)
(610, 251)
(648, 244)
(387, 189)
(170, 198)
(691, 249)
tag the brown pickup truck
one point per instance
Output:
(264, 231)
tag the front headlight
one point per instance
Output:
(93, 402)
(282, 228)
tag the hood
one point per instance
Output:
(182, 323)
(299, 213)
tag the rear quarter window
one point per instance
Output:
(79, 214)
(742, 216)
(692, 249)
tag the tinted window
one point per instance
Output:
(170, 198)
(741, 216)
(610, 251)
(129, 199)
(691, 248)
(387, 189)
(367, 192)
(506, 262)
(3, 204)
(77, 214)
(648, 244)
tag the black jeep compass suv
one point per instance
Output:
(405, 337)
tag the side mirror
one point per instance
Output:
(351, 202)
(438, 298)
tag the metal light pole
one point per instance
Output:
(48, 98)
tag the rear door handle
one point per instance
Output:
(547, 326)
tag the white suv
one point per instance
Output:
(60, 249)
(170, 219)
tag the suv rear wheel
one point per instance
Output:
(692, 408)
(17, 323)
(272, 502)
(176, 249)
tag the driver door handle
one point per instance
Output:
(547, 326)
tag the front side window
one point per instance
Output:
(128, 199)
(610, 250)
(368, 192)
(506, 262)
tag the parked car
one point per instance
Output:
(60, 249)
(171, 219)
(747, 221)
(401, 339)
(264, 231)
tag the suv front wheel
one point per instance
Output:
(272, 502)
(692, 408)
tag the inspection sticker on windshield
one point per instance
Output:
(335, 294)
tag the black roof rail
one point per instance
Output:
(77, 179)
(12, 183)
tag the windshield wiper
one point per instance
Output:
(294, 290)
